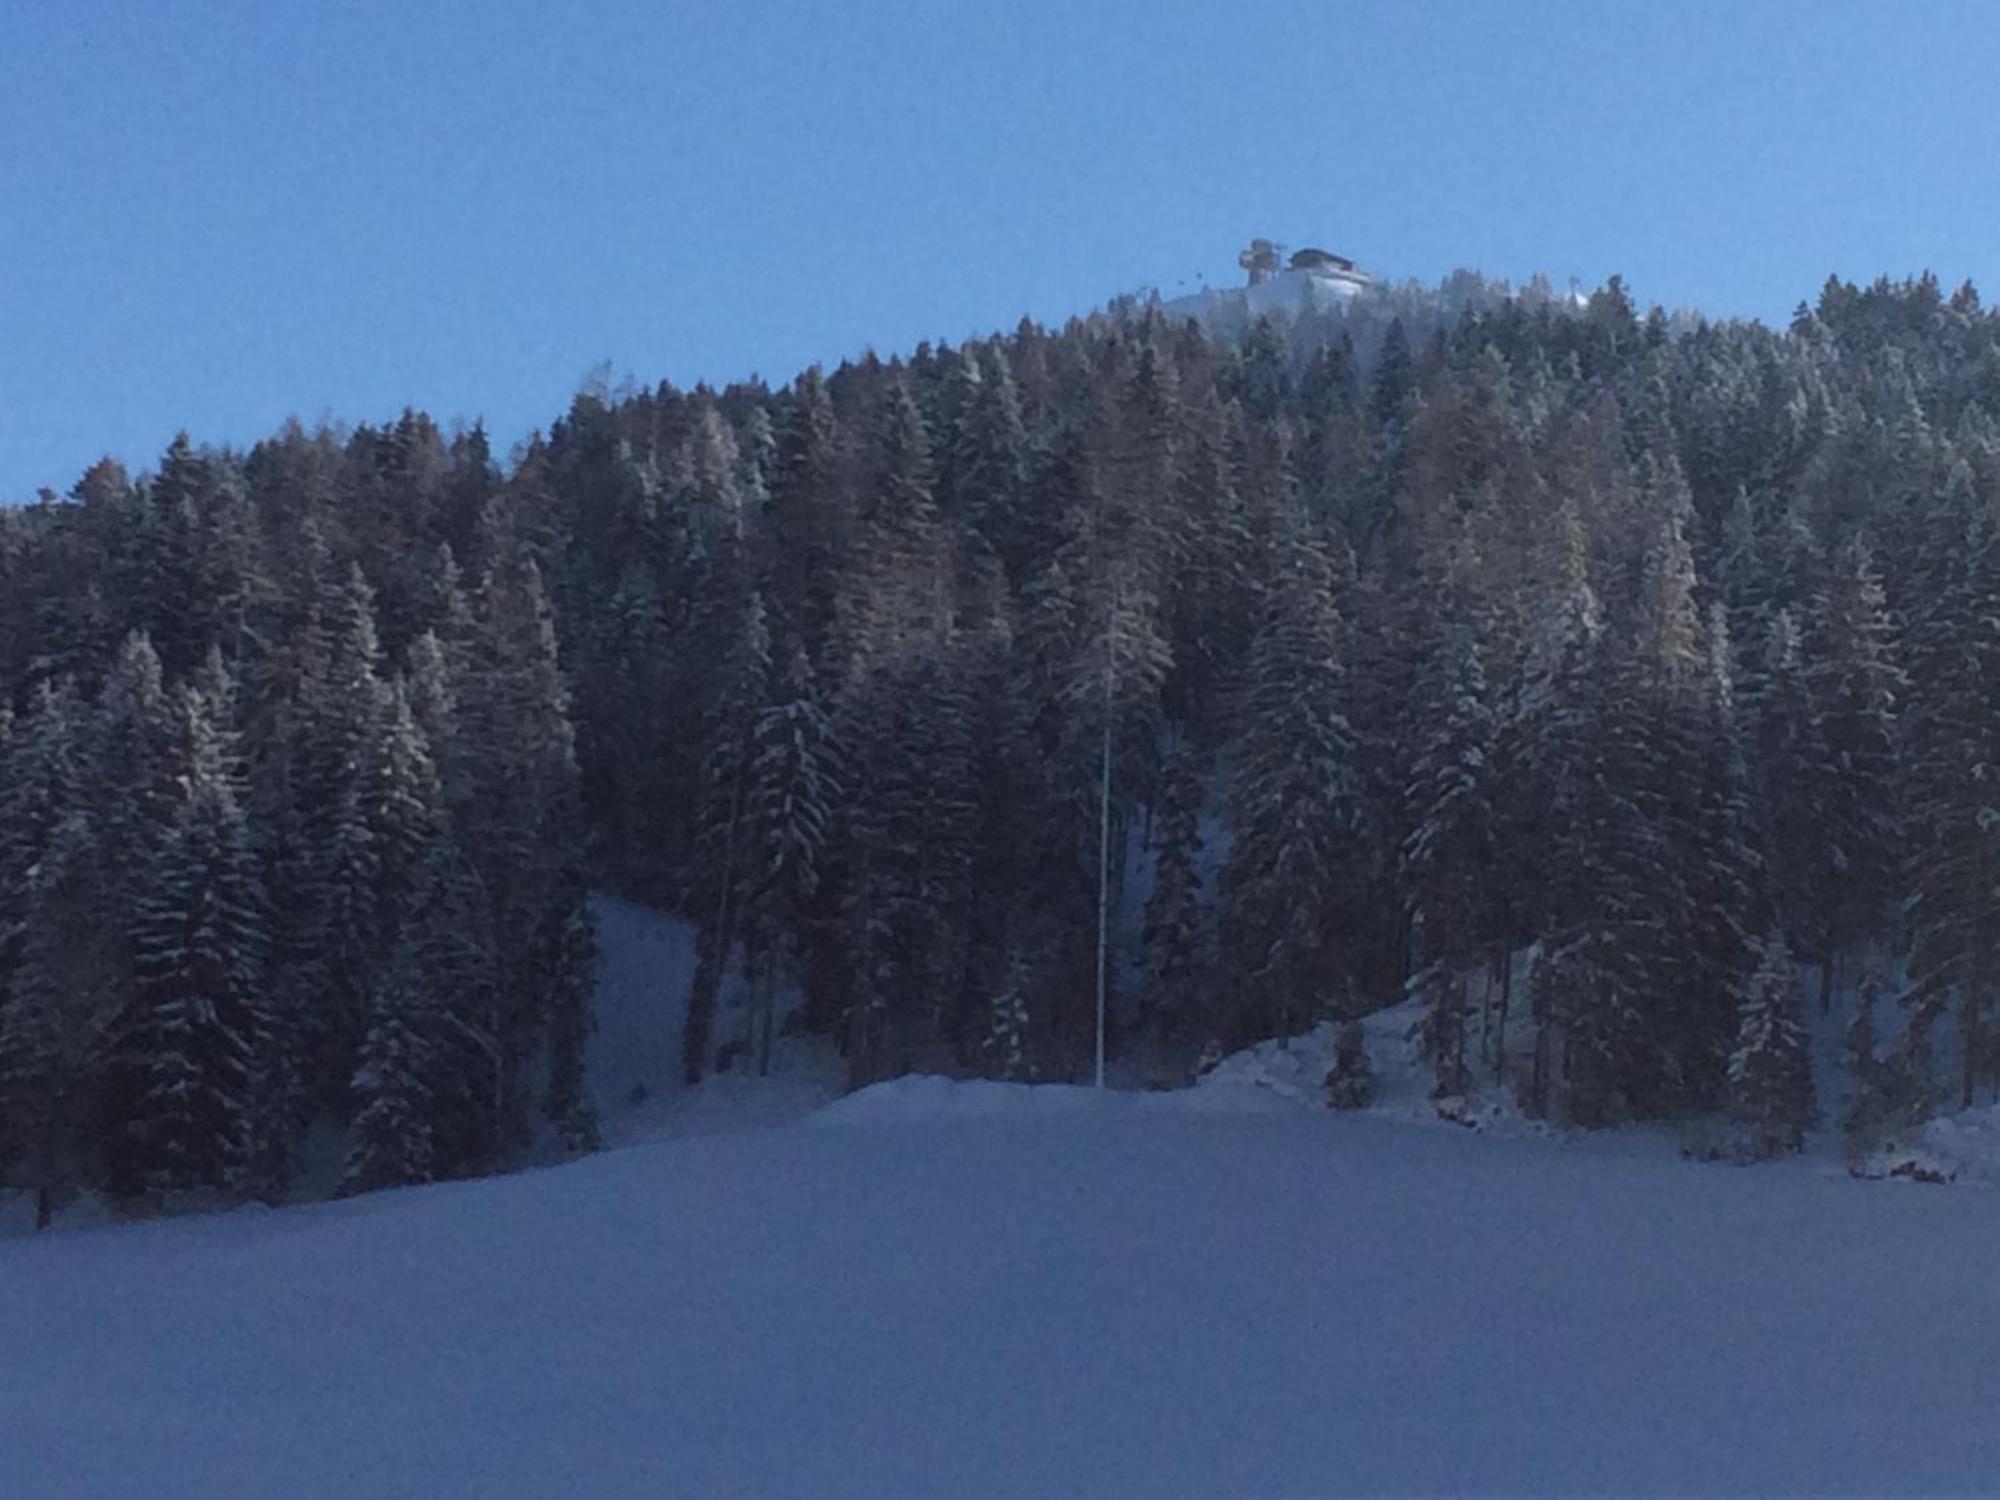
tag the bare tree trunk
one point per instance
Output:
(767, 1014)
(1456, 997)
(705, 991)
(1407, 944)
(1486, 1012)
(1971, 1045)
(1826, 981)
(499, 1093)
(1506, 965)
(1539, 1088)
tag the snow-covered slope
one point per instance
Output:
(983, 1290)
(644, 974)
(1286, 294)
(973, 1289)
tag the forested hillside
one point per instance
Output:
(1518, 656)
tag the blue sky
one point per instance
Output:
(215, 215)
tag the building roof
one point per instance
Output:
(1310, 256)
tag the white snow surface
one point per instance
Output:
(945, 1289)
(1967, 1143)
(936, 1288)
(644, 974)
(1287, 293)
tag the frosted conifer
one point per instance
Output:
(1770, 1070)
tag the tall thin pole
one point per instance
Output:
(1103, 855)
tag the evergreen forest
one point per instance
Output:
(1616, 685)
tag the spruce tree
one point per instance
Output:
(1770, 1070)
(572, 951)
(1867, 1085)
(65, 990)
(44, 782)
(1350, 1081)
(1448, 853)
(393, 1141)
(720, 850)
(790, 783)
(1291, 806)
(1791, 759)
(132, 749)
(1954, 866)
(451, 929)
(1004, 1052)
(806, 520)
(1175, 932)
(910, 755)
(1856, 685)
(989, 464)
(193, 1039)
(523, 827)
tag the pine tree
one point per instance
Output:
(1291, 805)
(192, 1039)
(910, 757)
(1265, 364)
(789, 784)
(522, 828)
(1604, 931)
(1955, 861)
(988, 464)
(1448, 853)
(331, 942)
(1856, 686)
(740, 681)
(806, 518)
(1770, 1070)
(1867, 1104)
(1791, 759)
(1004, 1048)
(450, 923)
(1175, 935)
(43, 783)
(900, 595)
(64, 991)
(159, 587)
(403, 801)
(1911, 1093)
(1723, 882)
(1639, 983)
(1395, 377)
(393, 1142)
(132, 736)
(1210, 600)
(573, 955)
(431, 685)
(1350, 1081)
(1335, 435)
(998, 778)
(349, 939)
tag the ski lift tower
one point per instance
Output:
(1262, 260)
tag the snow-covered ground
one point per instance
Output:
(643, 979)
(1286, 294)
(988, 1290)
(934, 1288)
